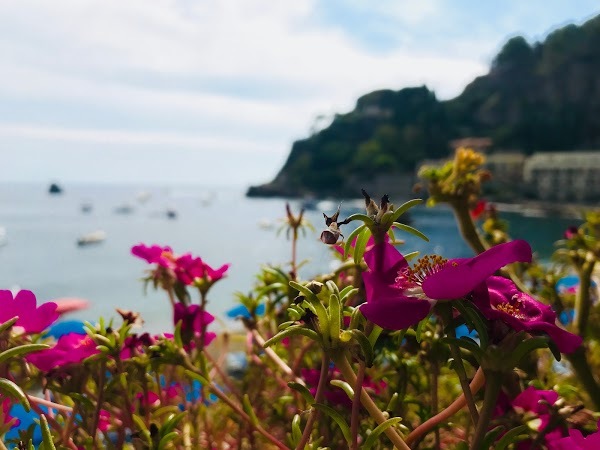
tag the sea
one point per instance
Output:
(39, 235)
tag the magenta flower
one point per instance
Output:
(522, 312)
(32, 319)
(576, 441)
(399, 296)
(70, 348)
(534, 400)
(186, 267)
(193, 321)
(134, 345)
(155, 254)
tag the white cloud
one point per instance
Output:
(147, 138)
(109, 63)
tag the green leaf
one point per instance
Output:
(303, 391)
(351, 237)
(171, 423)
(405, 207)
(10, 388)
(304, 290)
(166, 439)
(491, 436)
(374, 436)
(293, 331)
(467, 344)
(421, 326)
(527, 346)
(143, 432)
(375, 333)
(347, 292)
(296, 431)
(364, 344)
(46, 435)
(249, 410)
(335, 318)
(411, 230)
(469, 313)
(343, 385)
(363, 217)
(361, 245)
(21, 350)
(337, 417)
(9, 323)
(197, 376)
(511, 437)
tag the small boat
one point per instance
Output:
(171, 214)
(55, 189)
(124, 209)
(86, 208)
(95, 237)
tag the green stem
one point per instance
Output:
(355, 417)
(459, 367)
(585, 375)
(466, 226)
(582, 300)
(344, 365)
(318, 398)
(493, 382)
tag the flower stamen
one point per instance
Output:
(424, 267)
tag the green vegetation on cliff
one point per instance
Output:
(540, 97)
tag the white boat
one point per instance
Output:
(95, 237)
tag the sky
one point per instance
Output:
(214, 92)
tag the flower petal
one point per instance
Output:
(397, 313)
(458, 279)
(385, 261)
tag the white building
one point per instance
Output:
(564, 176)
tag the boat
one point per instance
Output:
(124, 209)
(95, 237)
(171, 213)
(86, 207)
(55, 189)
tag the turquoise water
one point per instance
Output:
(221, 226)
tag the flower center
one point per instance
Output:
(510, 310)
(425, 266)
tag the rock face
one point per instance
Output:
(540, 97)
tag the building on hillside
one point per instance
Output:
(506, 167)
(564, 176)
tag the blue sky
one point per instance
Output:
(215, 91)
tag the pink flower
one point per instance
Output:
(155, 254)
(70, 348)
(134, 344)
(534, 400)
(32, 319)
(193, 321)
(399, 296)
(576, 441)
(503, 301)
(6, 417)
(186, 268)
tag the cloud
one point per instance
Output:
(247, 73)
(146, 138)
